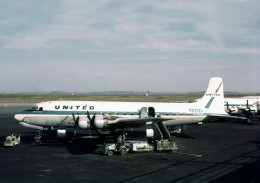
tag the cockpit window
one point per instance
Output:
(35, 107)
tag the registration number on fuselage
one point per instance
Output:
(195, 110)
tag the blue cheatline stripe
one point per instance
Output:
(209, 103)
(101, 112)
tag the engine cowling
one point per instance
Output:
(233, 110)
(84, 123)
(100, 122)
(253, 109)
(258, 107)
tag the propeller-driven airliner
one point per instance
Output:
(106, 118)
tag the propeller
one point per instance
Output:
(91, 122)
(244, 112)
(250, 109)
(247, 106)
(257, 104)
(228, 110)
(76, 122)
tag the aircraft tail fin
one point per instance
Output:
(213, 99)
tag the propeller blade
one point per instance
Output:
(88, 116)
(92, 122)
(73, 117)
(228, 110)
(247, 106)
(227, 106)
(76, 122)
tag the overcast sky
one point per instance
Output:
(108, 45)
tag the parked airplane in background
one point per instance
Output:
(244, 106)
(110, 117)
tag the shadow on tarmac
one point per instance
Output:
(248, 173)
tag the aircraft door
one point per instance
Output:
(151, 112)
(143, 112)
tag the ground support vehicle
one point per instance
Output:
(111, 148)
(138, 146)
(12, 140)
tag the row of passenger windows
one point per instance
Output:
(133, 113)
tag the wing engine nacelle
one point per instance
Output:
(100, 122)
(233, 110)
(84, 123)
(253, 109)
(258, 107)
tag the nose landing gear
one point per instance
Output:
(38, 137)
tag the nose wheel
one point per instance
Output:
(38, 137)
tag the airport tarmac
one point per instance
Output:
(212, 152)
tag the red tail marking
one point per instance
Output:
(218, 87)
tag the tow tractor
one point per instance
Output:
(12, 140)
(158, 139)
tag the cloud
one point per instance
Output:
(97, 43)
(135, 24)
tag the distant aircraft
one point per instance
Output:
(147, 93)
(109, 117)
(244, 106)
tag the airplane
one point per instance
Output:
(242, 107)
(106, 118)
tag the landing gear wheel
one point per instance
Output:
(38, 139)
(110, 153)
(123, 151)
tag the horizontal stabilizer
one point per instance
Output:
(211, 117)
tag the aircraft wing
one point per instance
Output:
(211, 117)
(138, 122)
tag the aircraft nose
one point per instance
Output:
(18, 117)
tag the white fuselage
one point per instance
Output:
(59, 113)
